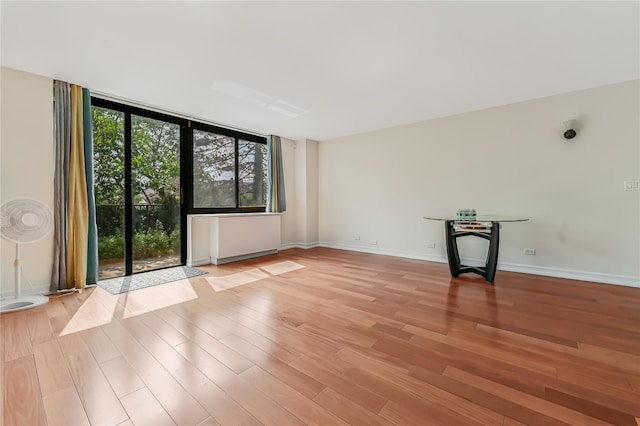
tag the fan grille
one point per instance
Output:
(25, 220)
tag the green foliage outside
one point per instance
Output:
(152, 243)
(214, 171)
(155, 167)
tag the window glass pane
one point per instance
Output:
(252, 173)
(108, 158)
(155, 180)
(213, 170)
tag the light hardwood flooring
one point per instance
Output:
(328, 337)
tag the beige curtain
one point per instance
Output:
(276, 200)
(78, 213)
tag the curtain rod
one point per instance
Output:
(129, 102)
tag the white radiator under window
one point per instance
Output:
(225, 238)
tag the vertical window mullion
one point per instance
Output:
(186, 183)
(128, 196)
(237, 164)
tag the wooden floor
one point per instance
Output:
(328, 337)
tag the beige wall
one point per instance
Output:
(26, 155)
(288, 225)
(510, 160)
(306, 192)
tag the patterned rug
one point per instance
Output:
(148, 279)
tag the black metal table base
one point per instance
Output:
(489, 270)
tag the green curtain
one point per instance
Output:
(276, 200)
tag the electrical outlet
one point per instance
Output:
(431, 245)
(528, 251)
(632, 185)
(374, 242)
(357, 238)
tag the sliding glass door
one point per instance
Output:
(155, 180)
(138, 190)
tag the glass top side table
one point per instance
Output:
(487, 227)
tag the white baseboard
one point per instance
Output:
(198, 262)
(305, 246)
(223, 260)
(596, 277)
(385, 252)
(624, 280)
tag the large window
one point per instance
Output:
(214, 170)
(152, 169)
(229, 171)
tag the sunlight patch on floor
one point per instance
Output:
(237, 279)
(252, 275)
(101, 306)
(97, 310)
(282, 267)
(157, 297)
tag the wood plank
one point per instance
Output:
(170, 335)
(208, 395)
(348, 389)
(272, 348)
(121, 376)
(553, 410)
(64, 407)
(40, 330)
(400, 415)
(99, 344)
(400, 379)
(296, 379)
(181, 406)
(224, 409)
(72, 344)
(17, 341)
(597, 411)
(496, 403)
(144, 409)
(99, 400)
(349, 412)
(295, 402)
(23, 400)
(53, 374)
(209, 421)
(435, 409)
(263, 409)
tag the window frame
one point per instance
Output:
(187, 127)
(129, 111)
(189, 192)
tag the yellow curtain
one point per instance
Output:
(78, 213)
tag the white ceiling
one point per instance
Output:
(322, 70)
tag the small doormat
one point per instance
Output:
(148, 279)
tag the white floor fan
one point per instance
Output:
(23, 220)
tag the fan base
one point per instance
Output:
(27, 302)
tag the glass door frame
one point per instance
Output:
(128, 111)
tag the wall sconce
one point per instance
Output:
(570, 131)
